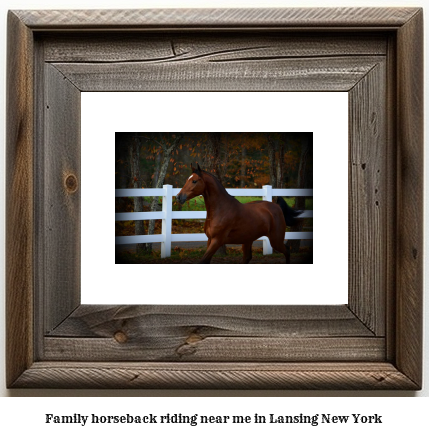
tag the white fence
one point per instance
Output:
(167, 215)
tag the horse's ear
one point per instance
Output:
(197, 170)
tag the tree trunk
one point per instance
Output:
(280, 162)
(224, 161)
(134, 157)
(214, 152)
(167, 153)
(302, 183)
(156, 173)
(272, 161)
(243, 167)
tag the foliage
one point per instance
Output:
(243, 160)
(239, 160)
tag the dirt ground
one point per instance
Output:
(236, 260)
(182, 256)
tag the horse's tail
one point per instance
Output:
(289, 213)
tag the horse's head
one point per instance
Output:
(193, 187)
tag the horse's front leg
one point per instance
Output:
(215, 244)
(247, 252)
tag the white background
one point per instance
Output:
(325, 114)
(18, 414)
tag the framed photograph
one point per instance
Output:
(80, 83)
(251, 166)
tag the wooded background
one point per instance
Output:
(238, 160)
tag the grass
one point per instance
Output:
(127, 228)
(197, 203)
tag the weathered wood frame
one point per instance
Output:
(375, 342)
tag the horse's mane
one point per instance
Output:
(218, 182)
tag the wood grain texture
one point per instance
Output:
(19, 200)
(175, 348)
(39, 200)
(215, 376)
(324, 74)
(99, 321)
(368, 202)
(168, 47)
(391, 192)
(61, 186)
(213, 333)
(410, 198)
(217, 18)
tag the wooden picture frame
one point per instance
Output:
(373, 342)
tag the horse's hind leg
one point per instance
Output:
(279, 245)
(287, 255)
(247, 252)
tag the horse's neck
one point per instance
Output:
(215, 196)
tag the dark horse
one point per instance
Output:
(230, 222)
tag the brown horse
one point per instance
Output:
(230, 222)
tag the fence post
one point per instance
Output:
(167, 208)
(267, 196)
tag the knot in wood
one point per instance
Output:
(193, 338)
(120, 337)
(71, 183)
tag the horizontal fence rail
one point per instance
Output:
(167, 192)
